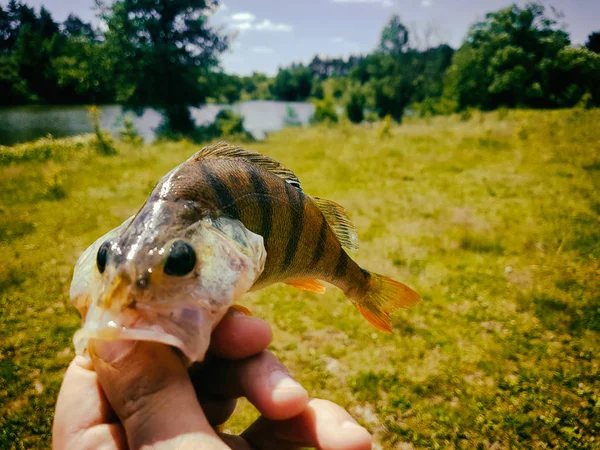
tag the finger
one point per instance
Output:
(262, 379)
(238, 336)
(83, 415)
(322, 424)
(218, 411)
(149, 389)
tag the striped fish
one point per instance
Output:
(305, 238)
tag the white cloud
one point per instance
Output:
(426, 3)
(243, 17)
(242, 26)
(246, 21)
(337, 40)
(385, 3)
(267, 25)
(263, 50)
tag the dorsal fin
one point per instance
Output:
(340, 223)
(225, 150)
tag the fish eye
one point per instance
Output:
(102, 256)
(181, 259)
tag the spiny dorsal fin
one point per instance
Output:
(225, 150)
(340, 223)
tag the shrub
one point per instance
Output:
(325, 111)
(291, 118)
(355, 104)
(103, 141)
(128, 133)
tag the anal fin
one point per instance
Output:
(307, 284)
(242, 309)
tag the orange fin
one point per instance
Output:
(315, 286)
(383, 297)
(242, 309)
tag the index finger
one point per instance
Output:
(238, 336)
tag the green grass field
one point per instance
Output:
(493, 219)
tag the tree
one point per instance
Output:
(394, 37)
(46, 24)
(510, 59)
(593, 42)
(355, 103)
(293, 84)
(159, 50)
(75, 27)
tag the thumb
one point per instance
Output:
(150, 390)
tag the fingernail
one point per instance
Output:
(285, 387)
(82, 362)
(110, 351)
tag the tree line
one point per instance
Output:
(165, 55)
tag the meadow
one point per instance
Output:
(493, 218)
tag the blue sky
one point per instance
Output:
(273, 33)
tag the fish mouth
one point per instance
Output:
(185, 328)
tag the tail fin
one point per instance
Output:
(383, 297)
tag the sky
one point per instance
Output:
(274, 33)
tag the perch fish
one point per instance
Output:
(222, 223)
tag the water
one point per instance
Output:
(22, 124)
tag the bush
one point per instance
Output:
(103, 141)
(325, 111)
(226, 124)
(291, 118)
(385, 130)
(355, 104)
(45, 149)
(128, 133)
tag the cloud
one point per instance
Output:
(337, 40)
(263, 50)
(385, 3)
(426, 3)
(246, 21)
(267, 25)
(243, 17)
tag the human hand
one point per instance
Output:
(140, 395)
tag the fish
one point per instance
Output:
(224, 222)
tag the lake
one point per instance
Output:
(26, 123)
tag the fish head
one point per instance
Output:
(170, 281)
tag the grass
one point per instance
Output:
(493, 218)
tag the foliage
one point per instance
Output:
(227, 124)
(103, 141)
(46, 149)
(293, 84)
(158, 51)
(520, 57)
(128, 132)
(501, 353)
(394, 37)
(385, 128)
(593, 42)
(325, 111)
(355, 103)
(291, 118)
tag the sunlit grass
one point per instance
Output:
(494, 219)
